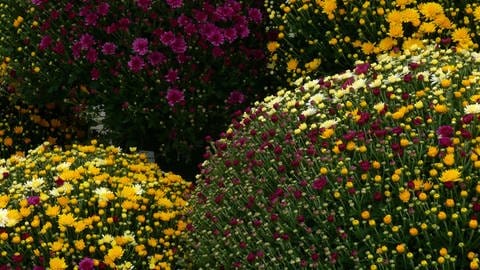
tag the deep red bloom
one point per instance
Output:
(319, 183)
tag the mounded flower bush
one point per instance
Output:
(160, 75)
(90, 207)
(376, 167)
(327, 36)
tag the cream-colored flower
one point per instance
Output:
(329, 123)
(35, 184)
(103, 193)
(4, 220)
(472, 108)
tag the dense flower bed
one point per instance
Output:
(89, 207)
(376, 167)
(24, 127)
(326, 36)
(176, 69)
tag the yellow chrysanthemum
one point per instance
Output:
(404, 196)
(441, 108)
(272, 46)
(452, 175)
(395, 31)
(400, 3)
(411, 15)
(368, 48)
(476, 14)
(395, 17)
(432, 151)
(449, 159)
(427, 28)
(386, 44)
(412, 44)
(462, 36)
(443, 22)
(292, 64)
(313, 65)
(66, 220)
(328, 6)
(431, 10)
(57, 263)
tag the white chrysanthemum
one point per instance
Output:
(472, 108)
(309, 111)
(4, 220)
(360, 83)
(63, 166)
(138, 189)
(102, 193)
(35, 184)
(54, 192)
(317, 98)
(311, 85)
(329, 123)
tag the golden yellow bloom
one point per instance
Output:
(413, 231)
(404, 196)
(462, 37)
(476, 13)
(114, 253)
(473, 224)
(18, 21)
(387, 219)
(292, 64)
(443, 22)
(427, 28)
(327, 133)
(412, 44)
(386, 44)
(442, 215)
(431, 10)
(328, 6)
(365, 214)
(450, 203)
(66, 220)
(52, 211)
(449, 159)
(411, 15)
(432, 151)
(400, 248)
(313, 65)
(57, 263)
(452, 175)
(79, 244)
(395, 31)
(441, 108)
(56, 246)
(368, 48)
(395, 17)
(272, 46)
(4, 199)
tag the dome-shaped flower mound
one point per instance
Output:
(90, 207)
(375, 168)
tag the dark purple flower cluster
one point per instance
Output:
(169, 68)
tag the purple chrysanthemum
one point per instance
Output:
(140, 46)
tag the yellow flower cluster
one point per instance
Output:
(90, 204)
(337, 33)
